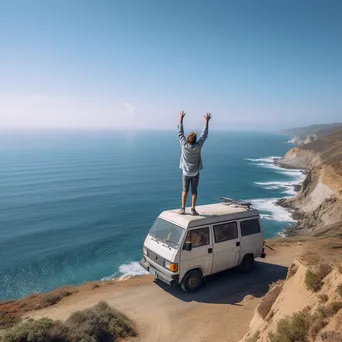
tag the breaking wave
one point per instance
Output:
(127, 271)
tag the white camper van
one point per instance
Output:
(183, 249)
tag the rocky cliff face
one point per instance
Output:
(319, 202)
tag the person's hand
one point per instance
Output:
(207, 117)
(181, 115)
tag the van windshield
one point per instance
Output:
(167, 232)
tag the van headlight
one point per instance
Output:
(145, 250)
(171, 266)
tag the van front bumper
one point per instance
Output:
(170, 280)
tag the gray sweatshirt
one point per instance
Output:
(191, 161)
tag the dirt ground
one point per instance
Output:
(220, 311)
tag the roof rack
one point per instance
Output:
(237, 203)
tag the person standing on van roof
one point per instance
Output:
(191, 160)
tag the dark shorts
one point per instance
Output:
(194, 183)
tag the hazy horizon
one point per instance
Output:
(86, 65)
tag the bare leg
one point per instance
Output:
(184, 198)
(194, 199)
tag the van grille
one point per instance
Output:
(155, 257)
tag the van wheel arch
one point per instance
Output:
(192, 280)
(247, 264)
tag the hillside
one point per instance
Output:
(319, 202)
(305, 135)
(319, 130)
(305, 307)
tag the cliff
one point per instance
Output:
(319, 129)
(319, 201)
(304, 307)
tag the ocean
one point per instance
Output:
(76, 206)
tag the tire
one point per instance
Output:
(247, 264)
(192, 281)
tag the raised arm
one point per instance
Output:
(180, 128)
(204, 133)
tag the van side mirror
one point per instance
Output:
(187, 246)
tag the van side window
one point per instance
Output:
(249, 227)
(198, 237)
(225, 231)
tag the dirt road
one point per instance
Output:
(220, 311)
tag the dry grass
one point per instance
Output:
(310, 258)
(293, 328)
(304, 327)
(313, 278)
(266, 302)
(330, 336)
(318, 322)
(323, 298)
(329, 310)
(11, 311)
(8, 319)
(100, 323)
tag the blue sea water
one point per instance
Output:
(76, 206)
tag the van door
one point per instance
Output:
(252, 237)
(201, 254)
(226, 246)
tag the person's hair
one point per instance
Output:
(192, 137)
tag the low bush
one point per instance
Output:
(266, 302)
(318, 322)
(330, 336)
(8, 319)
(323, 298)
(329, 310)
(100, 323)
(293, 329)
(37, 331)
(313, 279)
(53, 298)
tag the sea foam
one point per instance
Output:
(127, 271)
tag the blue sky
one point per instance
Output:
(135, 64)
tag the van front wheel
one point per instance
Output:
(247, 263)
(192, 281)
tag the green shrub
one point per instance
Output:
(100, 323)
(313, 281)
(292, 329)
(101, 320)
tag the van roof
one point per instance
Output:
(208, 214)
